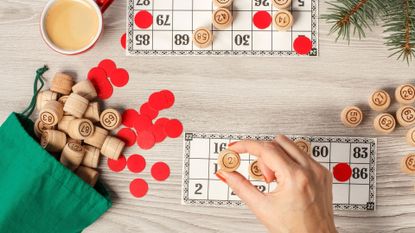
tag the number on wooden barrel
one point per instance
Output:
(222, 3)
(228, 160)
(304, 145)
(405, 94)
(110, 119)
(384, 123)
(255, 171)
(351, 116)
(281, 4)
(222, 18)
(408, 163)
(379, 100)
(283, 20)
(202, 37)
(405, 116)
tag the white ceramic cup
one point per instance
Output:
(99, 6)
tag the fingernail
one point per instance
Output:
(232, 143)
(220, 176)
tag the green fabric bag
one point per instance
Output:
(37, 193)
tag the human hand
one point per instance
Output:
(301, 203)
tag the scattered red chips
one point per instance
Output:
(117, 165)
(157, 100)
(145, 140)
(148, 111)
(108, 66)
(97, 74)
(158, 130)
(129, 117)
(119, 77)
(142, 123)
(136, 163)
(103, 88)
(138, 188)
(128, 136)
(123, 40)
(160, 171)
(342, 172)
(169, 98)
(173, 128)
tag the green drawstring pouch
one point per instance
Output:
(37, 193)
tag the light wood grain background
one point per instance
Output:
(223, 94)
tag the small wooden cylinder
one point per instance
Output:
(63, 125)
(379, 100)
(91, 158)
(62, 83)
(228, 160)
(281, 4)
(384, 123)
(43, 97)
(97, 139)
(405, 94)
(39, 128)
(72, 155)
(110, 119)
(51, 113)
(85, 89)
(410, 137)
(63, 100)
(76, 105)
(222, 18)
(202, 37)
(405, 116)
(92, 112)
(87, 174)
(408, 163)
(223, 3)
(255, 172)
(53, 140)
(112, 147)
(68, 140)
(283, 20)
(304, 145)
(80, 129)
(351, 116)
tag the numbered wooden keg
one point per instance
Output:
(97, 139)
(405, 94)
(92, 112)
(51, 113)
(112, 147)
(384, 123)
(62, 84)
(283, 20)
(229, 160)
(255, 172)
(379, 100)
(304, 145)
(53, 140)
(87, 174)
(76, 105)
(80, 129)
(39, 128)
(405, 116)
(110, 119)
(281, 4)
(351, 116)
(223, 3)
(43, 97)
(222, 18)
(408, 163)
(410, 136)
(85, 89)
(202, 37)
(63, 125)
(91, 158)
(72, 155)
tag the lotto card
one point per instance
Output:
(351, 160)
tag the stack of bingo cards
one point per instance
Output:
(72, 127)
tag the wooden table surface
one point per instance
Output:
(223, 94)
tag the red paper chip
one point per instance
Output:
(104, 89)
(138, 188)
(142, 123)
(143, 19)
(342, 172)
(147, 110)
(169, 97)
(157, 100)
(108, 66)
(160, 171)
(173, 128)
(117, 165)
(136, 163)
(302, 45)
(158, 130)
(97, 74)
(128, 136)
(129, 117)
(119, 77)
(145, 140)
(262, 19)
(123, 40)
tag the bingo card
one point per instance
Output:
(202, 187)
(165, 28)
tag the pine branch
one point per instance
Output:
(353, 15)
(400, 25)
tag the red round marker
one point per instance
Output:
(262, 19)
(128, 136)
(302, 45)
(342, 172)
(108, 66)
(129, 117)
(138, 188)
(158, 130)
(119, 77)
(157, 100)
(142, 123)
(117, 165)
(97, 74)
(145, 140)
(143, 19)
(160, 171)
(148, 111)
(136, 163)
(123, 40)
(104, 89)
(169, 98)
(173, 128)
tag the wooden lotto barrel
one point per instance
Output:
(51, 113)
(39, 128)
(80, 129)
(97, 139)
(92, 112)
(63, 125)
(91, 158)
(62, 83)
(110, 119)
(76, 105)
(43, 97)
(283, 20)
(255, 172)
(87, 174)
(53, 140)
(72, 155)
(86, 89)
(112, 147)
(229, 160)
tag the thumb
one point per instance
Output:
(248, 193)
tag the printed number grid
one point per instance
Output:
(175, 20)
(201, 186)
